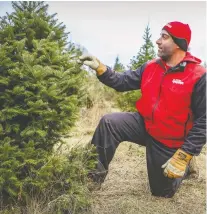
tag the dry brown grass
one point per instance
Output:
(85, 126)
(126, 188)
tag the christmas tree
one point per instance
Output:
(39, 90)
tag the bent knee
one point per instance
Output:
(109, 118)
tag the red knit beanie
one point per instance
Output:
(180, 32)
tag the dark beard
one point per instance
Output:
(165, 58)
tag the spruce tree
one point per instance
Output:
(146, 52)
(118, 66)
(39, 90)
(127, 101)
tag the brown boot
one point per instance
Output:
(97, 177)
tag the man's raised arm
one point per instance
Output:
(120, 81)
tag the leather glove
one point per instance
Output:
(93, 63)
(176, 166)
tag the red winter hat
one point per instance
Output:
(180, 32)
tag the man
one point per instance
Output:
(171, 117)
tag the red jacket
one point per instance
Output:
(166, 99)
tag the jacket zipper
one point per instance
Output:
(157, 101)
(186, 125)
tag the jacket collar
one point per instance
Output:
(181, 65)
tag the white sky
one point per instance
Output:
(107, 29)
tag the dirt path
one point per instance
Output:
(126, 188)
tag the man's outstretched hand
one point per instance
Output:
(93, 63)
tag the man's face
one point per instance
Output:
(166, 46)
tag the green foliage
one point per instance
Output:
(39, 90)
(146, 51)
(93, 92)
(60, 185)
(128, 100)
(118, 66)
(72, 194)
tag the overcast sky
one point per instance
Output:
(107, 29)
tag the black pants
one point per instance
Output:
(118, 127)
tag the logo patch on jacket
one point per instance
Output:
(178, 81)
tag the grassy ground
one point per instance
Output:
(126, 188)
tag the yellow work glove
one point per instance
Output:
(176, 166)
(93, 63)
